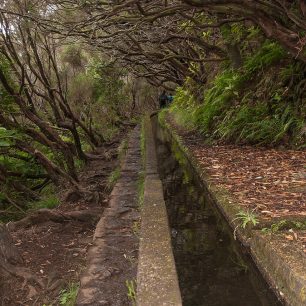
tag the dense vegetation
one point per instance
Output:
(57, 104)
(73, 72)
(261, 102)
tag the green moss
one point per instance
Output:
(141, 177)
(285, 225)
(113, 178)
(122, 149)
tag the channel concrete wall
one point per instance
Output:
(282, 265)
(157, 281)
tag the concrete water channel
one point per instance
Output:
(213, 268)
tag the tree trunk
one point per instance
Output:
(234, 55)
(76, 137)
(53, 170)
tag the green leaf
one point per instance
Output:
(4, 143)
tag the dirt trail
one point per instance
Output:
(112, 260)
(55, 252)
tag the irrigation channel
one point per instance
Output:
(213, 268)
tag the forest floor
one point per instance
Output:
(55, 252)
(269, 182)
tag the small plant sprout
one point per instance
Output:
(131, 291)
(68, 296)
(245, 218)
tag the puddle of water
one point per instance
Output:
(213, 269)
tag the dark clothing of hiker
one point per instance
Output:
(170, 99)
(163, 100)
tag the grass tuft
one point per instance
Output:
(47, 201)
(68, 296)
(113, 178)
(131, 286)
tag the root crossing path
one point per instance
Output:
(112, 259)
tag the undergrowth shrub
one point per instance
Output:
(232, 111)
(68, 296)
(184, 107)
(269, 53)
(48, 199)
(217, 100)
(250, 123)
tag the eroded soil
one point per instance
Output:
(56, 252)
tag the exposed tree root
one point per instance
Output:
(44, 215)
(8, 251)
(21, 272)
(10, 261)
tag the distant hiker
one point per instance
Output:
(170, 98)
(163, 100)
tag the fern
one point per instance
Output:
(251, 121)
(268, 54)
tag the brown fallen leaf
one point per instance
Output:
(32, 292)
(266, 212)
(289, 237)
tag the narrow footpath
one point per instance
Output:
(112, 259)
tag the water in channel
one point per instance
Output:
(212, 267)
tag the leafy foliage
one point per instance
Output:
(94, 94)
(252, 124)
(245, 218)
(6, 137)
(217, 99)
(232, 112)
(68, 296)
(269, 53)
(49, 201)
(184, 107)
